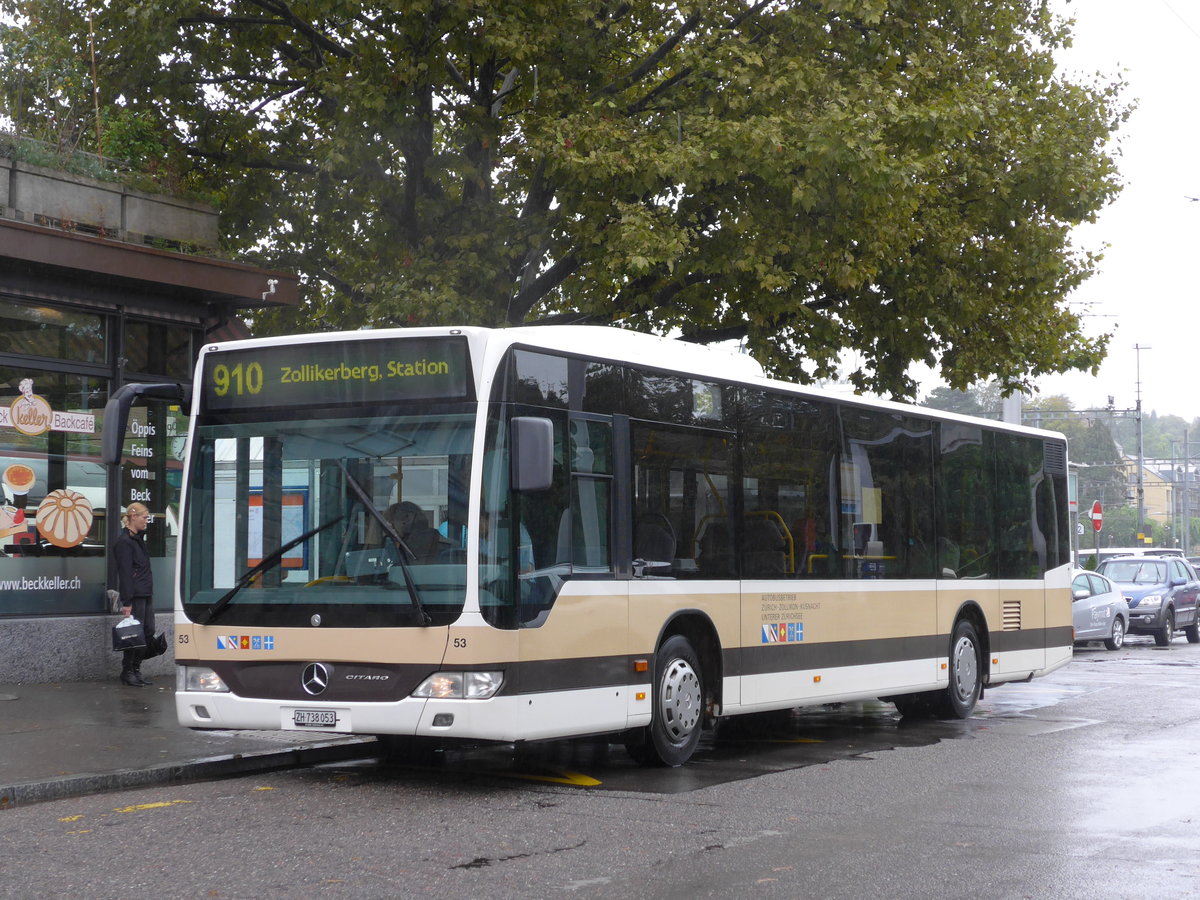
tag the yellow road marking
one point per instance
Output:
(563, 777)
(143, 806)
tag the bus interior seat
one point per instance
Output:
(769, 554)
(716, 549)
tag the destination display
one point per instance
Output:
(325, 373)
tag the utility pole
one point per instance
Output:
(1137, 416)
(1187, 486)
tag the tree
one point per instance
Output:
(1093, 453)
(982, 400)
(892, 177)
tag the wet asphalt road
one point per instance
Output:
(1082, 784)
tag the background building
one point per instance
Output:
(100, 285)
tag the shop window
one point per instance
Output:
(159, 348)
(54, 513)
(52, 333)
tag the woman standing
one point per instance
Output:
(136, 585)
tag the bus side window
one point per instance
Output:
(584, 535)
(1021, 546)
(965, 463)
(681, 492)
(789, 455)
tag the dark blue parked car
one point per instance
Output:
(1162, 593)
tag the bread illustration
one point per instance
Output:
(64, 517)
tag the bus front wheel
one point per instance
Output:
(677, 708)
(966, 673)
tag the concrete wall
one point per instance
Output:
(43, 196)
(45, 650)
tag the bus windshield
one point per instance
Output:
(344, 522)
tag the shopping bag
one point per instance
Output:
(156, 647)
(128, 634)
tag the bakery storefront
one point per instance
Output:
(79, 317)
(58, 508)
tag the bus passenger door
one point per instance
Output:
(573, 643)
(681, 531)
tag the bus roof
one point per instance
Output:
(623, 345)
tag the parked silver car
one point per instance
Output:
(1098, 610)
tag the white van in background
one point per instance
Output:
(1086, 558)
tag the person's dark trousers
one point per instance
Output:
(131, 660)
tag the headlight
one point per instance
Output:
(198, 678)
(1150, 600)
(460, 685)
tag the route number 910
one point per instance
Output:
(240, 379)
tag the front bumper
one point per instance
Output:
(1146, 621)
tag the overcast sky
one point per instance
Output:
(1148, 285)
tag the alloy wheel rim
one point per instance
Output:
(680, 700)
(966, 668)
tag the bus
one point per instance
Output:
(471, 534)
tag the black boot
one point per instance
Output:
(129, 678)
(142, 682)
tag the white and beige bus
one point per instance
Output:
(542, 532)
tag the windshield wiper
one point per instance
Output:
(364, 498)
(206, 617)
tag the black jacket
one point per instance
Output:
(134, 578)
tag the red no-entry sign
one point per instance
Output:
(1097, 516)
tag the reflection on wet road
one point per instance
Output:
(747, 747)
(740, 748)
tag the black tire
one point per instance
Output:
(403, 749)
(1117, 639)
(1162, 637)
(678, 708)
(966, 673)
(912, 706)
(1192, 632)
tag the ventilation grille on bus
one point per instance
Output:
(1054, 457)
(1012, 615)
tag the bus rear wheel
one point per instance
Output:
(966, 673)
(677, 708)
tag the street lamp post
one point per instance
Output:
(1141, 476)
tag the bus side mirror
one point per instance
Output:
(116, 413)
(532, 441)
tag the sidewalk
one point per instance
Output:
(65, 740)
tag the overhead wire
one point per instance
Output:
(1179, 16)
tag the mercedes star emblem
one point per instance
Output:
(315, 678)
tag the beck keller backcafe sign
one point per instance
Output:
(32, 415)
